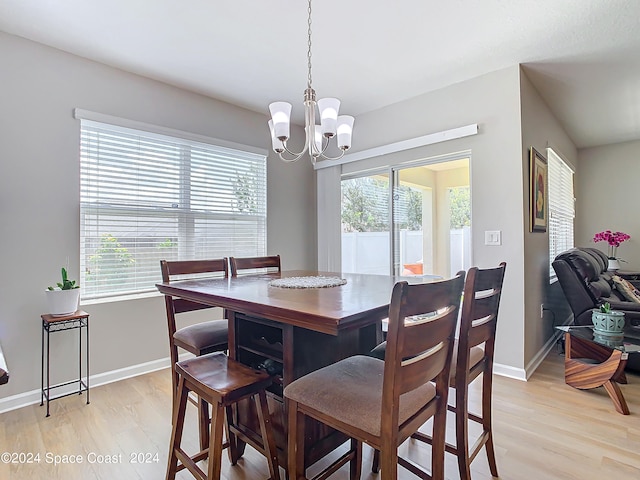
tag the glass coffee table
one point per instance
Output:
(596, 360)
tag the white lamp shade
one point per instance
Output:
(329, 108)
(345, 129)
(280, 115)
(276, 144)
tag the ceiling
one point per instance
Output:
(583, 56)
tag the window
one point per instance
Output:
(149, 196)
(561, 208)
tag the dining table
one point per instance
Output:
(292, 329)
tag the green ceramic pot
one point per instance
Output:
(611, 323)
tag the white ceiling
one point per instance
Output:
(582, 55)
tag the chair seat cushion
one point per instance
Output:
(203, 337)
(351, 392)
(475, 356)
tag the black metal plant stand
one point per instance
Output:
(52, 324)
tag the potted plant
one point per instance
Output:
(607, 321)
(614, 239)
(63, 298)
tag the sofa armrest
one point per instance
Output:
(632, 277)
(631, 311)
(624, 306)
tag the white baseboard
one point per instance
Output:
(525, 374)
(509, 371)
(542, 354)
(29, 398)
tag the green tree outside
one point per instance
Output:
(111, 262)
(460, 205)
(365, 206)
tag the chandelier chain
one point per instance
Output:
(309, 44)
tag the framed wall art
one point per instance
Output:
(539, 207)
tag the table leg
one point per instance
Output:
(48, 369)
(80, 357)
(42, 366)
(583, 375)
(87, 320)
(613, 389)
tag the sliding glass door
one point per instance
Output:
(365, 224)
(419, 223)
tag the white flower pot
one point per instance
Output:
(614, 265)
(63, 302)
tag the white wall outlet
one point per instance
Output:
(493, 237)
(542, 310)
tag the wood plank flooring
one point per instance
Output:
(544, 429)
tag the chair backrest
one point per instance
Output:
(478, 321)
(271, 263)
(422, 322)
(183, 269)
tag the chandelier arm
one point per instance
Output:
(325, 141)
(322, 154)
(290, 160)
(327, 157)
(297, 156)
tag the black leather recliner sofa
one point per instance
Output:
(586, 283)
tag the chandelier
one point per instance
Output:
(318, 137)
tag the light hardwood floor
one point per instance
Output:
(544, 429)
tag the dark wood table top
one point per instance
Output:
(363, 300)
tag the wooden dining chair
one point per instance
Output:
(382, 403)
(473, 355)
(222, 382)
(200, 338)
(270, 263)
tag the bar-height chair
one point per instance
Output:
(198, 339)
(222, 382)
(480, 305)
(382, 403)
(270, 263)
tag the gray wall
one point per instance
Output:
(39, 194)
(540, 129)
(605, 197)
(496, 168)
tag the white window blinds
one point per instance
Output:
(561, 208)
(148, 196)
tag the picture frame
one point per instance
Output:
(538, 203)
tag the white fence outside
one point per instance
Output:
(369, 252)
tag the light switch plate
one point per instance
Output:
(493, 237)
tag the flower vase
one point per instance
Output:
(614, 265)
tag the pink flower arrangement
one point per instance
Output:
(614, 239)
